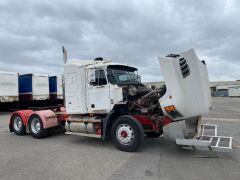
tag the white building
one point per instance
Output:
(234, 91)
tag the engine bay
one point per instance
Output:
(143, 100)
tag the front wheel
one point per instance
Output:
(36, 127)
(127, 133)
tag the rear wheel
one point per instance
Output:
(127, 133)
(18, 126)
(36, 127)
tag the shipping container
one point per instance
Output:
(55, 87)
(33, 87)
(8, 86)
(234, 91)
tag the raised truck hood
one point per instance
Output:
(187, 83)
(187, 98)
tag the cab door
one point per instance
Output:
(98, 100)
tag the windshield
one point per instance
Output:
(119, 74)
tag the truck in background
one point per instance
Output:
(106, 99)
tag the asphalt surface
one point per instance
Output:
(71, 157)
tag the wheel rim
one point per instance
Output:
(35, 125)
(125, 134)
(17, 122)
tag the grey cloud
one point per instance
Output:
(133, 32)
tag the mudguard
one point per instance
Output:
(48, 118)
(24, 114)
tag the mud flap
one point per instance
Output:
(207, 140)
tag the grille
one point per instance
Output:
(184, 67)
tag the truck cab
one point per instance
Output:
(96, 86)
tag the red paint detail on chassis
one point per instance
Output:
(144, 120)
(98, 129)
(63, 116)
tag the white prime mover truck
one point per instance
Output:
(106, 99)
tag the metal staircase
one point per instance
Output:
(207, 140)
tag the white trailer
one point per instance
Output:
(234, 91)
(33, 87)
(40, 87)
(59, 87)
(56, 87)
(8, 86)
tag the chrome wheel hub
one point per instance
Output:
(35, 125)
(124, 134)
(17, 122)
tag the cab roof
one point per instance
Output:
(96, 64)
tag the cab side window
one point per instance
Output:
(100, 78)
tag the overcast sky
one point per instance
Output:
(130, 31)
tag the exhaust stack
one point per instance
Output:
(64, 55)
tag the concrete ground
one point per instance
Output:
(70, 157)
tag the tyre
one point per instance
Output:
(36, 127)
(153, 134)
(127, 133)
(18, 126)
